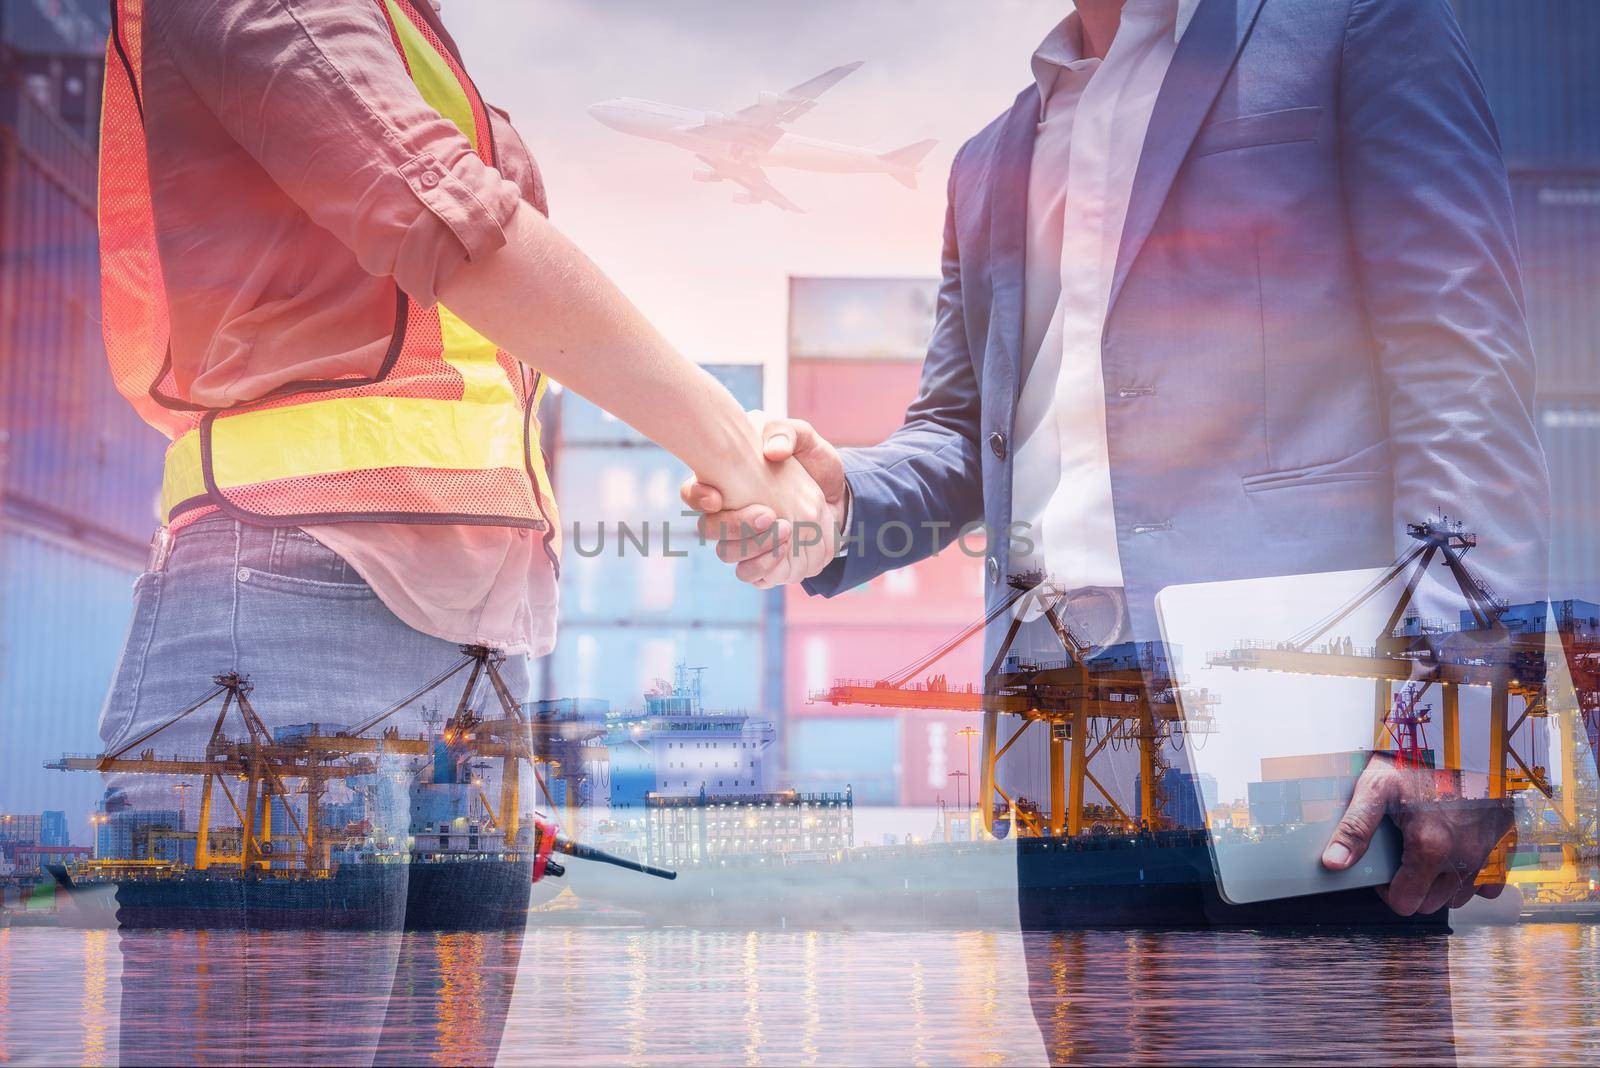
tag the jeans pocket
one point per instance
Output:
(121, 707)
(298, 557)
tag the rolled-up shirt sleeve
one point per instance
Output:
(317, 93)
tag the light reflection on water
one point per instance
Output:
(1528, 995)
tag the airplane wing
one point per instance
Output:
(753, 180)
(759, 125)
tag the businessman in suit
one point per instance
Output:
(1231, 290)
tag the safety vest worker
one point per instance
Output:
(444, 431)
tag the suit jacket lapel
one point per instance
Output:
(1202, 63)
(1008, 225)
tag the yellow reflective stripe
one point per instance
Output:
(483, 380)
(181, 478)
(345, 434)
(432, 75)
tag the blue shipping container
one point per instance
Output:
(63, 619)
(1571, 437)
(611, 484)
(618, 661)
(1558, 228)
(1538, 59)
(828, 754)
(579, 422)
(73, 455)
(621, 582)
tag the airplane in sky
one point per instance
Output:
(735, 148)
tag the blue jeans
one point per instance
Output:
(318, 647)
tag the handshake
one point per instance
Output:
(789, 527)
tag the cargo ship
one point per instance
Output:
(1153, 879)
(322, 857)
(459, 878)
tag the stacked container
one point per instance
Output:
(78, 471)
(1538, 62)
(639, 592)
(856, 347)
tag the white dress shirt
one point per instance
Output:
(1093, 118)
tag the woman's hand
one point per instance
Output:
(793, 535)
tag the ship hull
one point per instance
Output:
(468, 895)
(1035, 885)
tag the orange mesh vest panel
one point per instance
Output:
(443, 432)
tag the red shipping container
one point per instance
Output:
(853, 402)
(815, 657)
(946, 590)
(933, 757)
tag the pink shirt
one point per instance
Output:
(286, 141)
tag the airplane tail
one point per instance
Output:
(903, 162)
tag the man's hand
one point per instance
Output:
(771, 550)
(1446, 840)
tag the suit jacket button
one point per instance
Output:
(993, 568)
(997, 445)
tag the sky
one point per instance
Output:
(712, 274)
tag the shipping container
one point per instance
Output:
(1324, 810)
(635, 485)
(1538, 62)
(690, 586)
(862, 753)
(816, 657)
(73, 455)
(1290, 769)
(1273, 790)
(64, 614)
(1571, 437)
(617, 661)
(1558, 228)
(852, 402)
(938, 762)
(946, 589)
(583, 423)
(861, 318)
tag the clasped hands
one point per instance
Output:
(787, 528)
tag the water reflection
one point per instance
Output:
(627, 995)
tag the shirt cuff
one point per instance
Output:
(849, 513)
(465, 220)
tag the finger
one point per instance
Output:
(738, 525)
(775, 542)
(1490, 891)
(1409, 886)
(699, 496)
(784, 438)
(1444, 889)
(1368, 805)
(1465, 892)
(767, 568)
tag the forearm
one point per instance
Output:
(542, 300)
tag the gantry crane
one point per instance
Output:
(1087, 702)
(267, 764)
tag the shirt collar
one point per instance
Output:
(1062, 47)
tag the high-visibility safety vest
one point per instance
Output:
(444, 431)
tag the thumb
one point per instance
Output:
(1376, 788)
(782, 438)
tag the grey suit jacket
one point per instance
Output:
(1316, 331)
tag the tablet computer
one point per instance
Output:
(1283, 746)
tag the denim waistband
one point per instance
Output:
(219, 541)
